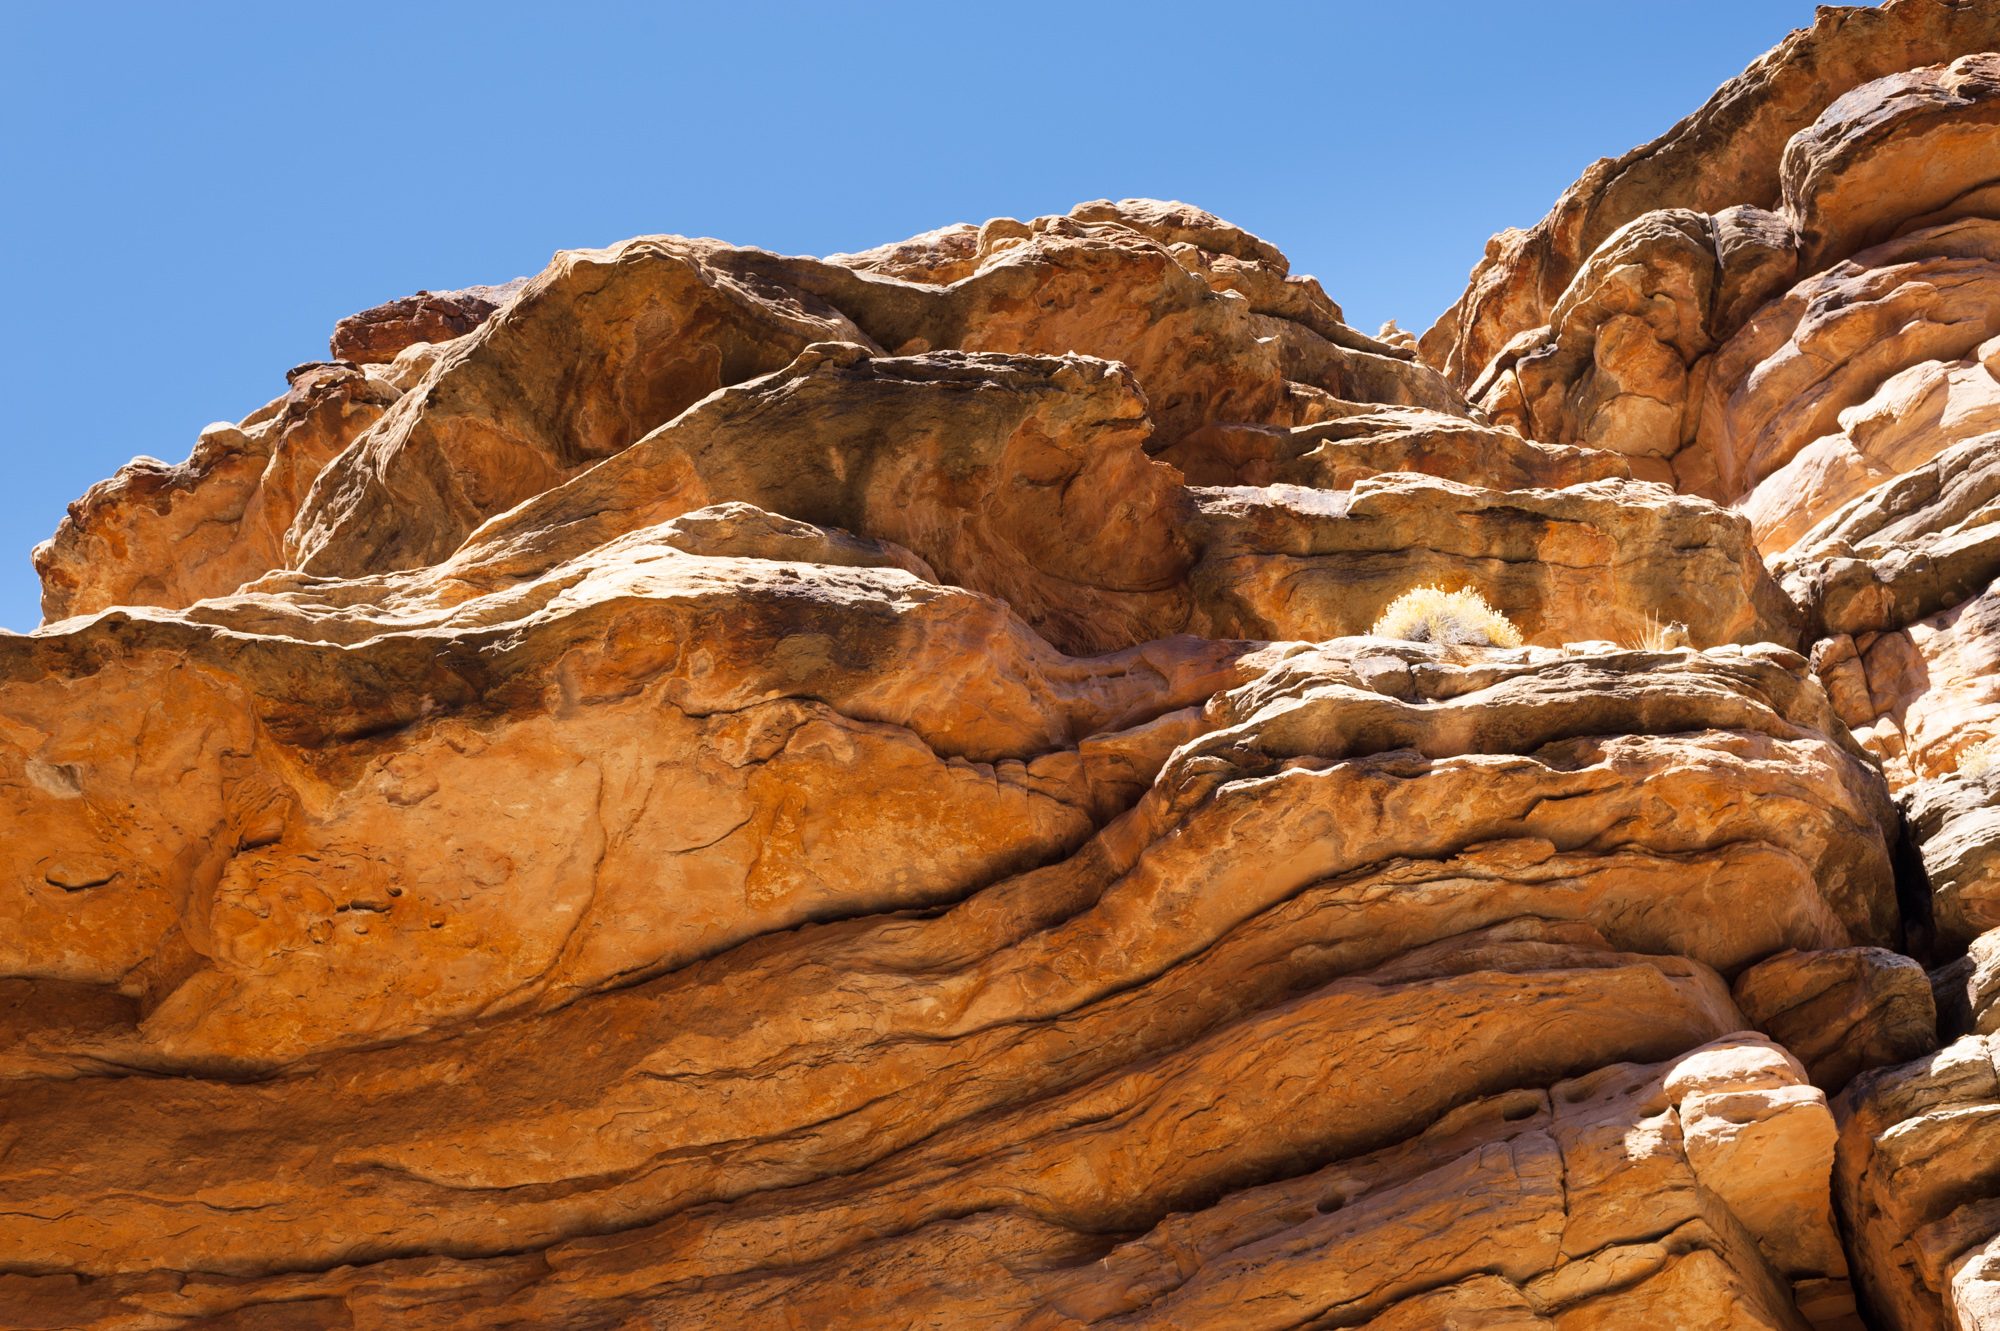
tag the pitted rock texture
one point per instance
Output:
(707, 788)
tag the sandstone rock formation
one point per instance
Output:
(1787, 306)
(1729, 152)
(383, 333)
(716, 789)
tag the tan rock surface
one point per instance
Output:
(597, 350)
(1842, 392)
(1967, 990)
(607, 345)
(1911, 150)
(1614, 366)
(1833, 343)
(1369, 440)
(1853, 420)
(169, 535)
(1667, 343)
(1522, 1189)
(1842, 1011)
(1918, 1170)
(1601, 560)
(1140, 1026)
(1910, 418)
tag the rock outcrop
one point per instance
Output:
(383, 333)
(711, 789)
(1729, 152)
(1787, 306)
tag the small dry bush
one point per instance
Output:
(1663, 635)
(1980, 758)
(1461, 618)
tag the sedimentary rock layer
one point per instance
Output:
(1801, 327)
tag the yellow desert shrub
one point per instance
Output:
(1663, 635)
(1978, 759)
(1432, 614)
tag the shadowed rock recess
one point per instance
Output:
(707, 789)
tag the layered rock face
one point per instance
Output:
(1791, 305)
(715, 789)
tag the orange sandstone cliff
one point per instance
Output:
(711, 789)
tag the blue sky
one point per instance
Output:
(195, 193)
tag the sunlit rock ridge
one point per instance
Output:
(710, 789)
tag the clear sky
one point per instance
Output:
(193, 194)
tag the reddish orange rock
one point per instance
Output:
(382, 333)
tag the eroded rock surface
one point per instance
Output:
(714, 789)
(387, 330)
(1803, 329)
(1729, 152)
